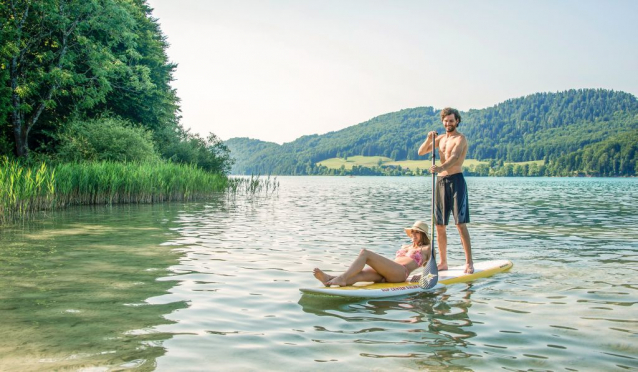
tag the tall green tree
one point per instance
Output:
(156, 105)
(73, 52)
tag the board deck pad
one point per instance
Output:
(446, 277)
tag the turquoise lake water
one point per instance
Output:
(214, 285)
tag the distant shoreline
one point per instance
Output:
(423, 175)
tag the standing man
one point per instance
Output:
(451, 190)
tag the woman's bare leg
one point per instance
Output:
(366, 275)
(383, 267)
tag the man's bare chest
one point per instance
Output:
(444, 147)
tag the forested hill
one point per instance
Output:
(559, 128)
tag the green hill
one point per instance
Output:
(615, 156)
(542, 126)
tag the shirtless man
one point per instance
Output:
(451, 190)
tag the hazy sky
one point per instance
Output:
(278, 69)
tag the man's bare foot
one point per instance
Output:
(442, 266)
(469, 268)
(338, 280)
(321, 276)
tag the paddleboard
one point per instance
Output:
(377, 290)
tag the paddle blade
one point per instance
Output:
(430, 275)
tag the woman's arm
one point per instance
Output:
(426, 255)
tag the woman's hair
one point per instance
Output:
(423, 238)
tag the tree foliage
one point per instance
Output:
(64, 60)
(109, 139)
(64, 51)
(210, 154)
(615, 156)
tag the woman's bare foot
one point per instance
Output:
(442, 266)
(321, 276)
(341, 282)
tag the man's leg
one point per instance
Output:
(441, 239)
(467, 247)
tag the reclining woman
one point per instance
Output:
(380, 269)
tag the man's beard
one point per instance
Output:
(450, 129)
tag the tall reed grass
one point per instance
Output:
(25, 189)
(116, 183)
(252, 185)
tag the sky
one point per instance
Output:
(275, 70)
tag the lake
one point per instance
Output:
(215, 285)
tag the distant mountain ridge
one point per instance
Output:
(541, 126)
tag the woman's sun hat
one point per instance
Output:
(418, 226)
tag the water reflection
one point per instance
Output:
(434, 326)
(74, 294)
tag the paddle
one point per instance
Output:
(430, 275)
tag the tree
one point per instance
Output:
(106, 139)
(71, 51)
(154, 105)
(210, 154)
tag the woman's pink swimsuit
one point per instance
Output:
(413, 254)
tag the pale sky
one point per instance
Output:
(275, 70)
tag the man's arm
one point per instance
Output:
(427, 145)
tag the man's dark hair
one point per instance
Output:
(449, 111)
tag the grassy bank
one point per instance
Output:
(28, 189)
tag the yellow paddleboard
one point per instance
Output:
(446, 277)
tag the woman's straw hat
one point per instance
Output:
(418, 226)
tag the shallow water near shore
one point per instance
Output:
(214, 285)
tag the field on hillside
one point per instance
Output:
(364, 161)
(374, 161)
(425, 164)
(537, 162)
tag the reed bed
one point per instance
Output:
(26, 189)
(252, 185)
(117, 183)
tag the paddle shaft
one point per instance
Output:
(430, 274)
(433, 193)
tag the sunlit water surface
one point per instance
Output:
(214, 285)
